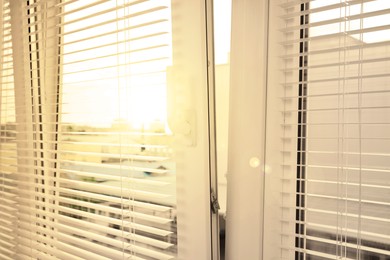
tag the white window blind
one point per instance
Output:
(94, 173)
(7, 138)
(93, 197)
(333, 130)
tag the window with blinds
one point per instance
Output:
(7, 137)
(333, 129)
(104, 177)
(87, 155)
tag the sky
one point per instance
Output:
(222, 30)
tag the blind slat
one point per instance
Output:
(76, 202)
(325, 8)
(337, 49)
(118, 222)
(97, 228)
(337, 20)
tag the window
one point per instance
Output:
(100, 130)
(7, 136)
(327, 149)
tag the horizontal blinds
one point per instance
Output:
(336, 186)
(99, 181)
(7, 139)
